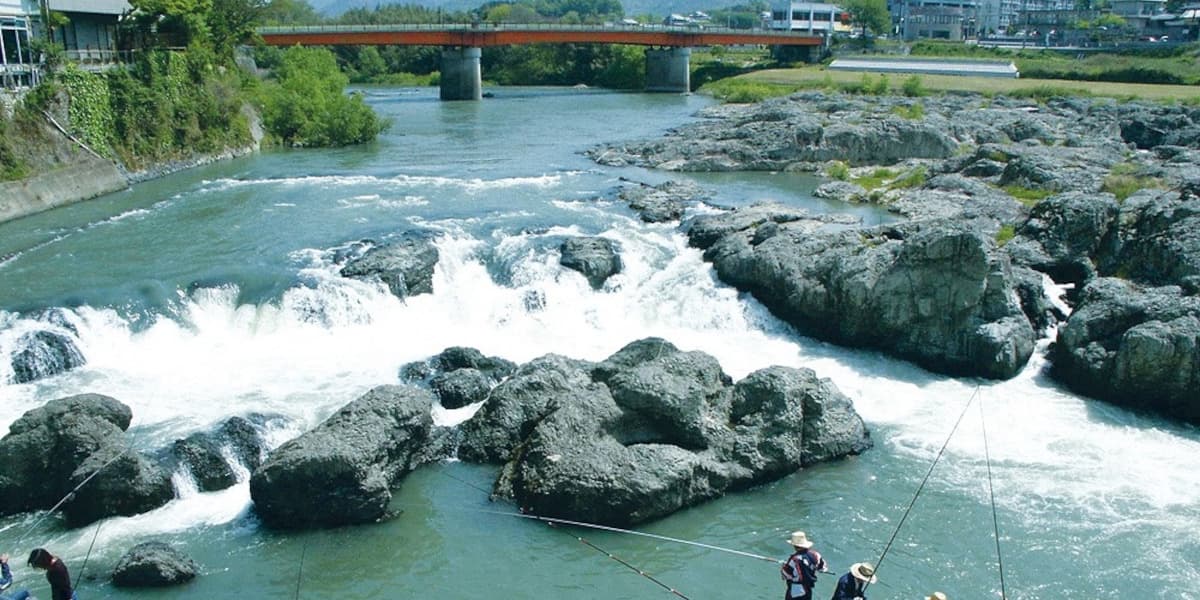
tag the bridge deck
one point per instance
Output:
(507, 35)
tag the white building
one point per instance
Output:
(16, 29)
(812, 17)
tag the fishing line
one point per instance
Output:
(70, 495)
(300, 569)
(879, 563)
(992, 492)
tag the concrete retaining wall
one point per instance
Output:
(60, 187)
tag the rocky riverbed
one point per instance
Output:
(998, 196)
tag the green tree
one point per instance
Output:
(871, 15)
(289, 12)
(306, 105)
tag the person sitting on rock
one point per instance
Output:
(56, 573)
(799, 571)
(6, 581)
(852, 585)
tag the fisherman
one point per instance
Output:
(56, 574)
(6, 580)
(799, 571)
(852, 585)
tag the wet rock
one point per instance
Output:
(405, 265)
(207, 455)
(342, 472)
(662, 203)
(153, 564)
(842, 191)
(938, 293)
(1135, 347)
(52, 449)
(595, 257)
(459, 357)
(653, 429)
(461, 387)
(44, 353)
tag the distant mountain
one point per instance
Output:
(659, 8)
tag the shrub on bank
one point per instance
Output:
(306, 105)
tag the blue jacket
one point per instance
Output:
(849, 587)
(5, 576)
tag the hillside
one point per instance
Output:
(632, 7)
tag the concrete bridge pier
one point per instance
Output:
(461, 77)
(667, 70)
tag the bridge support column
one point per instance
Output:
(667, 70)
(461, 77)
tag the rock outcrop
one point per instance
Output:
(44, 353)
(938, 293)
(594, 257)
(651, 430)
(1139, 347)
(153, 564)
(52, 449)
(405, 265)
(342, 472)
(459, 376)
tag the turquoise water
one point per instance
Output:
(211, 293)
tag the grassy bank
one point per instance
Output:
(779, 82)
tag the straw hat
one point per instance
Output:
(800, 540)
(936, 596)
(864, 572)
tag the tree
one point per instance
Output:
(871, 15)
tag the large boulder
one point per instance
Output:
(405, 265)
(1159, 240)
(661, 203)
(342, 472)
(44, 353)
(153, 564)
(1135, 347)
(653, 429)
(52, 449)
(594, 257)
(937, 292)
(458, 375)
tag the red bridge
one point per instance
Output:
(667, 53)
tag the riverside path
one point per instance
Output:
(667, 54)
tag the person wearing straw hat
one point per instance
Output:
(936, 596)
(799, 571)
(852, 585)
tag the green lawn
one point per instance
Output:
(774, 82)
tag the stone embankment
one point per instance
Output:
(993, 194)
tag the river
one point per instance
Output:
(212, 293)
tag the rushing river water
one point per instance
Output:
(212, 293)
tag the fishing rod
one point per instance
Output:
(664, 538)
(551, 523)
(992, 493)
(79, 575)
(932, 466)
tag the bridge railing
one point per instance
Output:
(681, 29)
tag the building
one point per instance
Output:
(1137, 13)
(811, 17)
(1059, 27)
(17, 63)
(1184, 26)
(936, 19)
(90, 36)
(1001, 16)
